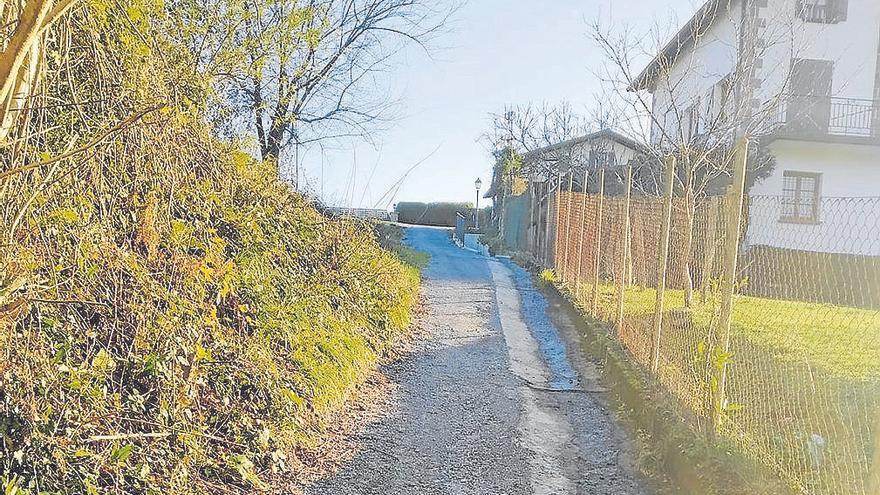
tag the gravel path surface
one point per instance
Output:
(492, 401)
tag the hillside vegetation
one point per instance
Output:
(173, 318)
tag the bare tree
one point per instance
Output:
(529, 127)
(301, 71)
(700, 125)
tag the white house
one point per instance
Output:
(606, 148)
(803, 76)
(562, 165)
(526, 221)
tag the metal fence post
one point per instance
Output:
(662, 261)
(624, 262)
(551, 199)
(580, 257)
(728, 280)
(594, 307)
(545, 236)
(552, 227)
(531, 236)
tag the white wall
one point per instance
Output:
(695, 72)
(852, 46)
(848, 170)
(849, 215)
(622, 153)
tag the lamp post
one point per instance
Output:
(478, 184)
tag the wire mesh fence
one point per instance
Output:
(795, 381)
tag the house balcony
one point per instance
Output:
(827, 119)
(822, 13)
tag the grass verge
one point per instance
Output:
(830, 337)
(190, 341)
(174, 318)
(820, 441)
(670, 452)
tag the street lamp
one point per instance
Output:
(478, 184)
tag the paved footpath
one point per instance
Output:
(493, 401)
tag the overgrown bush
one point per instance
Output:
(173, 318)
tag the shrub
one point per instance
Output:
(173, 318)
(439, 214)
(548, 276)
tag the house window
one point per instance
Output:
(800, 197)
(602, 159)
(692, 123)
(726, 99)
(823, 11)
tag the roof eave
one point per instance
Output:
(604, 133)
(701, 20)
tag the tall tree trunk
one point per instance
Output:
(272, 149)
(21, 59)
(258, 119)
(18, 64)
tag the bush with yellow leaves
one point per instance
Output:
(173, 318)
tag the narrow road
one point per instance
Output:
(494, 401)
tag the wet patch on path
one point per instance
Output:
(535, 311)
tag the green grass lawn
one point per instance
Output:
(839, 340)
(797, 368)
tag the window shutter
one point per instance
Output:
(841, 9)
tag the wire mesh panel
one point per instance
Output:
(802, 380)
(806, 373)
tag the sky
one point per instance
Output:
(493, 53)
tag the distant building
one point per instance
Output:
(524, 203)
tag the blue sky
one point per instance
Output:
(495, 52)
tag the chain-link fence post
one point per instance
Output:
(662, 261)
(564, 268)
(728, 280)
(624, 255)
(709, 248)
(594, 307)
(550, 229)
(874, 474)
(580, 256)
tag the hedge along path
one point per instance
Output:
(173, 318)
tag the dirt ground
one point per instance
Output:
(494, 399)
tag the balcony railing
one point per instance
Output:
(815, 116)
(813, 12)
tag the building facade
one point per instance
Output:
(803, 76)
